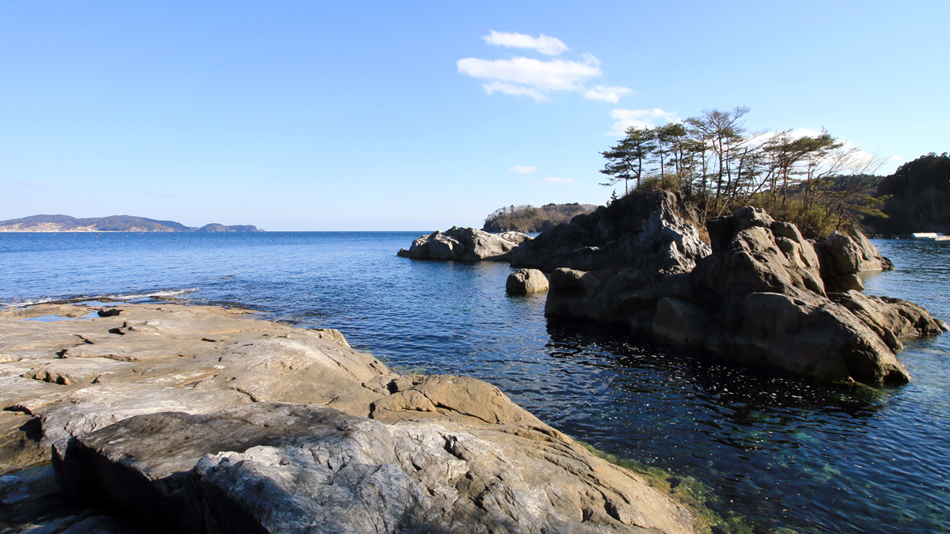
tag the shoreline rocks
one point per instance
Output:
(764, 297)
(639, 231)
(464, 244)
(206, 420)
(524, 281)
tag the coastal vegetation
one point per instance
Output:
(810, 178)
(916, 197)
(530, 219)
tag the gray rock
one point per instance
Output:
(806, 334)
(464, 244)
(240, 425)
(303, 468)
(759, 298)
(891, 319)
(640, 231)
(524, 281)
(843, 256)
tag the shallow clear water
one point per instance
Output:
(775, 452)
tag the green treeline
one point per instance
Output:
(530, 219)
(716, 163)
(916, 197)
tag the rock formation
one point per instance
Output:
(844, 256)
(207, 421)
(639, 231)
(464, 244)
(760, 297)
(524, 281)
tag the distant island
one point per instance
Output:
(114, 223)
(529, 219)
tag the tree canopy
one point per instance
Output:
(916, 197)
(531, 219)
(718, 164)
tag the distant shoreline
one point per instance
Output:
(113, 223)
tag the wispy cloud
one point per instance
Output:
(550, 46)
(543, 76)
(639, 118)
(536, 78)
(514, 90)
(605, 93)
(556, 180)
(523, 169)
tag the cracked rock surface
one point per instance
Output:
(199, 419)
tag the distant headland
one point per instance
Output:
(114, 223)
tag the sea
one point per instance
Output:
(753, 449)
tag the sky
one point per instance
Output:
(339, 116)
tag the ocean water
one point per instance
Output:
(765, 452)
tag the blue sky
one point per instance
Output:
(419, 115)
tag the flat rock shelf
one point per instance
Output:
(202, 419)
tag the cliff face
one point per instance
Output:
(114, 223)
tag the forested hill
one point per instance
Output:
(919, 197)
(114, 223)
(529, 219)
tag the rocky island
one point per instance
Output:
(201, 419)
(757, 292)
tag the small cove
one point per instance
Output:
(775, 452)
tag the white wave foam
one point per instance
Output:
(97, 298)
(150, 295)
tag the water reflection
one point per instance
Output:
(770, 444)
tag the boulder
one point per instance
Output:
(302, 468)
(890, 318)
(524, 281)
(644, 230)
(760, 298)
(241, 425)
(843, 256)
(464, 244)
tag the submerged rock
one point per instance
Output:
(464, 244)
(760, 297)
(203, 420)
(640, 231)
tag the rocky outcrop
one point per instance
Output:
(204, 420)
(844, 256)
(640, 231)
(759, 298)
(464, 244)
(524, 281)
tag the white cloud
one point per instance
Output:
(555, 75)
(514, 90)
(523, 169)
(605, 93)
(522, 76)
(639, 118)
(556, 180)
(542, 43)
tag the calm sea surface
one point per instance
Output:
(766, 452)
